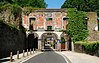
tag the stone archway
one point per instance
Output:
(40, 34)
(48, 38)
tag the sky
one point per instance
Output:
(54, 3)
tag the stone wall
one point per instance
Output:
(82, 49)
(11, 14)
(11, 40)
(12, 35)
(92, 24)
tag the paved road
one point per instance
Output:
(47, 57)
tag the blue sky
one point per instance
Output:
(54, 3)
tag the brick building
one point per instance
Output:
(44, 19)
(45, 23)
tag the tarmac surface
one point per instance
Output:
(48, 55)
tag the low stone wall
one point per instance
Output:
(11, 40)
(92, 49)
(79, 48)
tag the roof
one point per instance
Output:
(51, 10)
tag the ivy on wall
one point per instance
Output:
(77, 27)
(28, 10)
(15, 9)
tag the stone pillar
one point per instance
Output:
(72, 46)
(66, 46)
(39, 44)
(58, 45)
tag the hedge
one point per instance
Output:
(89, 47)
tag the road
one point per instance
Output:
(47, 57)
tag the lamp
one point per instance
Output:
(98, 18)
(86, 18)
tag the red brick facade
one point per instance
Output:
(41, 22)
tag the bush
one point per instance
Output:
(10, 26)
(62, 40)
(89, 47)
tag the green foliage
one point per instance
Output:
(62, 31)
(10, 26)
(82, 5)
(25, 3)
(32, 3)
(3, 3)
(97, 12)
(15, 9)
(15, 6)
(5, 6)
(62, 40)
(10, 1)
(77, 28)
(27, 10)
(89, 47)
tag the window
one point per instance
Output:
(48, 19)
(49, 27)
(32, 22)
(65, 18)
(32, 19)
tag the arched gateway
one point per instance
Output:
(45, 35)
(46, 25)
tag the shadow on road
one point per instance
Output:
(47, 49)
(4, 60)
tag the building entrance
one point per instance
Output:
(49, 39)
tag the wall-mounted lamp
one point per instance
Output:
(98, 18)
(65, 18)
(86, 18)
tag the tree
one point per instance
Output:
(77, 27)
(10, 1)
(82, 5)
(32, 3)
(24, 3)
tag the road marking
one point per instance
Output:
(66, 59)
(26, 59)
